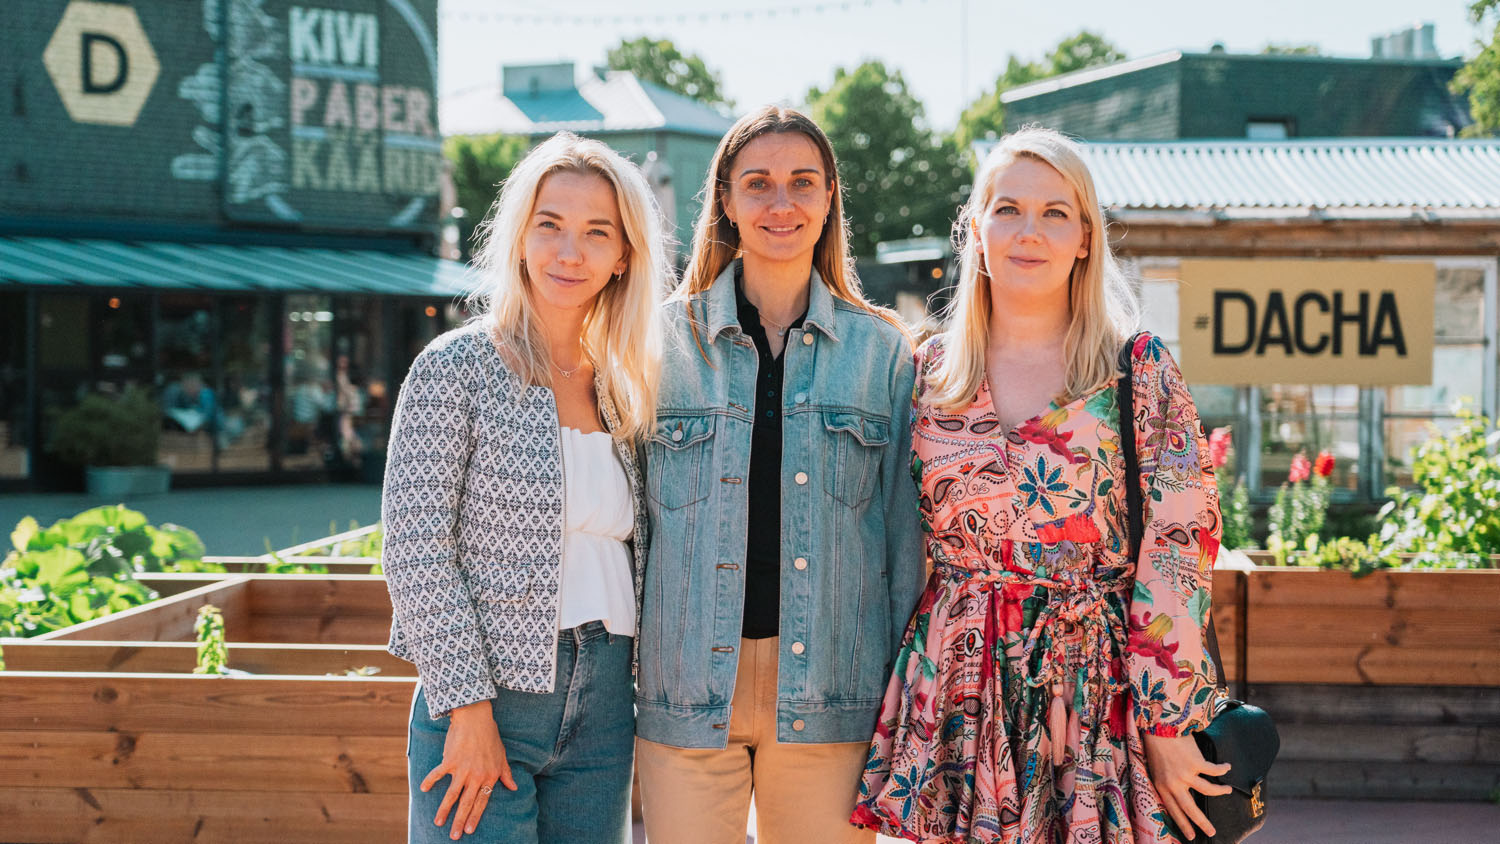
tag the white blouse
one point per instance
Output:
(596, 583)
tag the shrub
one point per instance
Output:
(108, 431)
(1455, 507)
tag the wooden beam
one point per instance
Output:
(1458, 590)
(331, 629)
(194, 703)
(181, 657)
(1409, 704)
(1307, 660)
(131, 816)
(167, 620)
(224, 761)
(1334, 239)
(1365, 780)
(1391, 743)
(321, 595)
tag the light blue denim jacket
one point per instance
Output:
(851, 552)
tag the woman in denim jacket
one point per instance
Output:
(786, 556)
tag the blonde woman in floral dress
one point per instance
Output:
(1048, 684)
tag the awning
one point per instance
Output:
(213, 267)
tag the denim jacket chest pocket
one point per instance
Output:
(856, 444)
(679, 452)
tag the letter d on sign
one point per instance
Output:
(93, 41)
(101, 63)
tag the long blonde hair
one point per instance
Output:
(1102, 310)
(621, 332)
(716, 242)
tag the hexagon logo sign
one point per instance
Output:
(101, 63)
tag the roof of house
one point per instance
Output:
(1176, 95)
(1340, 178)
(617, 102)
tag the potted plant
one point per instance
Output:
(114, 439)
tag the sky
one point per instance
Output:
(949, 51)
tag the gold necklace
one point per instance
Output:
(569, 373)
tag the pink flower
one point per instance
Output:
(1218, 446)
(1323, 466)
(1301, 468)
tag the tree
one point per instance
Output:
(1480, 77)
(985, 117)
(1291, 50)
(900, 179)
(480, 164)
(661, 63)
(1086, 49)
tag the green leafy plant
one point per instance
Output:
(1296, 517)
(1234, 499)
(213, 653)
(82, 568)
(105, 430)
(1455, 507)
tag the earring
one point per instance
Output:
(733, 224)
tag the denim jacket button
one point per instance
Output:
(800, 563)
(800, 398)
(677, 436)
(798, 647)
(798, 725)
(807, 339)
(801, 478)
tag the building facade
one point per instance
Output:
(231, 203)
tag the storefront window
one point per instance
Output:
(122, 337)
(311, 404)
(1412, 413)
(245, 430)
(1298, 418)
(192, 412)
(15, 438)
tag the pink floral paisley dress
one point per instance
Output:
(1036, 625)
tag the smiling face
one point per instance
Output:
(574, 242)
(1031, 233)
(778, 198)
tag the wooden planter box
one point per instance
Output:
(108, 737)
(1385, 686)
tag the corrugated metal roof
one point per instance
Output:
(216, 267)
(617, 103)
(1346, 177)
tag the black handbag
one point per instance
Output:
(1240, 734)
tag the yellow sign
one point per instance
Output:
(101, 63)
(1306, 322)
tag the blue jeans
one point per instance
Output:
(569, 750)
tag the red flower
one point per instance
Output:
(1218, 446)
(1301, 468)
(1323, 466)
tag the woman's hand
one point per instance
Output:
(475, 759)
(1177, 768)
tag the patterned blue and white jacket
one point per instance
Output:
(473, 511)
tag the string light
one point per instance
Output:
(828, 7)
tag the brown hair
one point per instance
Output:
(716, 242)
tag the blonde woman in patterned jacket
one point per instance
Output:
(515, 529)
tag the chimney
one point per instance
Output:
(1417, 41)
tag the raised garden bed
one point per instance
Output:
(110, 738)
(1383, 686)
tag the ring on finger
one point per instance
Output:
(486, 789)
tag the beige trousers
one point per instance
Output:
(803, 792)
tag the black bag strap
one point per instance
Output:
(1134, 506)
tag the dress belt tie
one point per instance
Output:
(1079, 652)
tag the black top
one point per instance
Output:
(763, 532)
